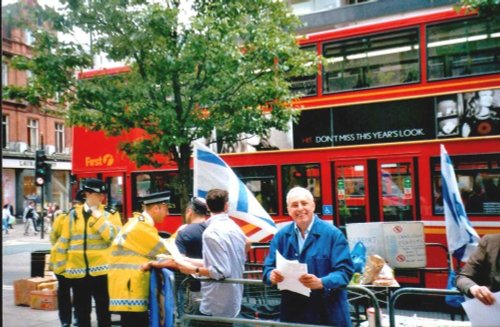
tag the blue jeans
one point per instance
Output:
(5, 225)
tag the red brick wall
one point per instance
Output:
(19, 113)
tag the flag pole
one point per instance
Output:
(460, 235)
(451, 261)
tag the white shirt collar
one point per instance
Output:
(308, 229)
(86, 207)
(147, 218)
(218, 216)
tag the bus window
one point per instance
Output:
(115, 185)
(371, 61)
(261, 181)
(352, 202)
(463, 48)
(478, 179)
(305, 175)
(304, 85)
(397, 191)
(151, 182)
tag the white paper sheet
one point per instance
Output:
(481, 314)
(172, 249)
(291, 270)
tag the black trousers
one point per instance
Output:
(64, 300)
(86, 288)
(134, 319)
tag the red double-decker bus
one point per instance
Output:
(367, 144)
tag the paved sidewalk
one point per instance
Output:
(16, 264)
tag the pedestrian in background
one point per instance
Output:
(6, 218)
(30, 217)
(85, 244)
(480, 276)
(12, 220)
(48, 219)
(325, 250)
(224, 254)
(137, 244)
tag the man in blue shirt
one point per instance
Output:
(224, 254)
(325, 250)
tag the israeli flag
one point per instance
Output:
(461, 236)
(210, 171)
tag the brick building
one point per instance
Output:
(27, 128)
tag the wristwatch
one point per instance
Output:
(197, 272)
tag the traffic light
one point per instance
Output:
(42, 168)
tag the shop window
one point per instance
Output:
(60, 188)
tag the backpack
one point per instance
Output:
(29, 214)
(358, 257)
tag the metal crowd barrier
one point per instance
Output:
(363, 292)
(240, 321)
(413, 291)
(256, 294)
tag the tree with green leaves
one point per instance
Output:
(488, 7)
(223, 65)
(52, 64)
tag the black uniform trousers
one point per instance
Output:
(134, 319)
(64, 300)
(86, 288)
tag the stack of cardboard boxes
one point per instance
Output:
(38, 292)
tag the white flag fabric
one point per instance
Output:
(461, 236)
(210, 171)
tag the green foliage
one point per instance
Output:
(219, 69)
(486, 7)
(52, 64)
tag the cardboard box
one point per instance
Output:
(43, 300)
(49, 274)
(21, 295)
(23, 287)
(48, 266)
(47, 286)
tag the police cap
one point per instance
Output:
(79, 197)
(159, 197)
(94, 185)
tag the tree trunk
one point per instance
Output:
(184, 185)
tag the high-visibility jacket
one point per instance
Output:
(56, 263)
(137, 243)
(84, 244)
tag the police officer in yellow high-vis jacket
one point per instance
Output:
(64, 298)
(137, 243)
(84, 252)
